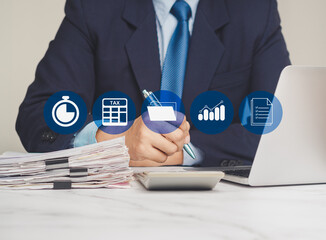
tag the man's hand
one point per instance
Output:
(147, 148)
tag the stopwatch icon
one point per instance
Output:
(65, 112)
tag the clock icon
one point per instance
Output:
(65, 112)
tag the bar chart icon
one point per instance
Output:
(217, 113)
(114, 111)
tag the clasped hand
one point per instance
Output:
(148, 148)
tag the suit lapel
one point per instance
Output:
(206, 49)
(142, 47)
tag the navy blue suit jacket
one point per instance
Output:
(102, 45)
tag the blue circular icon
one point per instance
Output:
(211, 112)
(65, 112)
(260, 112)
(162, 111)
(114, 112)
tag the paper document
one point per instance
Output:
(261, 112)
(104, 164)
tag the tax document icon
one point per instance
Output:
(261, 112)
(114, 112)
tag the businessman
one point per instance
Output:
(232, 46)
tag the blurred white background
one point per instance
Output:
(27, 27)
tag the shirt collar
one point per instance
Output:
(163, 7)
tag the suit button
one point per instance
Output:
(232, 163)
(224, 163)
(43, 136)
(48, 136)
(52, 138)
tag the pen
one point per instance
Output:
(155, 101)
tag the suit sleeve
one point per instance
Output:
(68, 65)
(236, 145)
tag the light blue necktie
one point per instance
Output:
(174, 68)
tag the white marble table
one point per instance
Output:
(228, 212)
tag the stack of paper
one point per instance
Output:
(98, 165)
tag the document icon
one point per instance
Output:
(162, 113)
(261, 112)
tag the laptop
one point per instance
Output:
(294, 153)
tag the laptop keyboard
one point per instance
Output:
(241, 172)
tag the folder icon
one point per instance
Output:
(161, 113)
